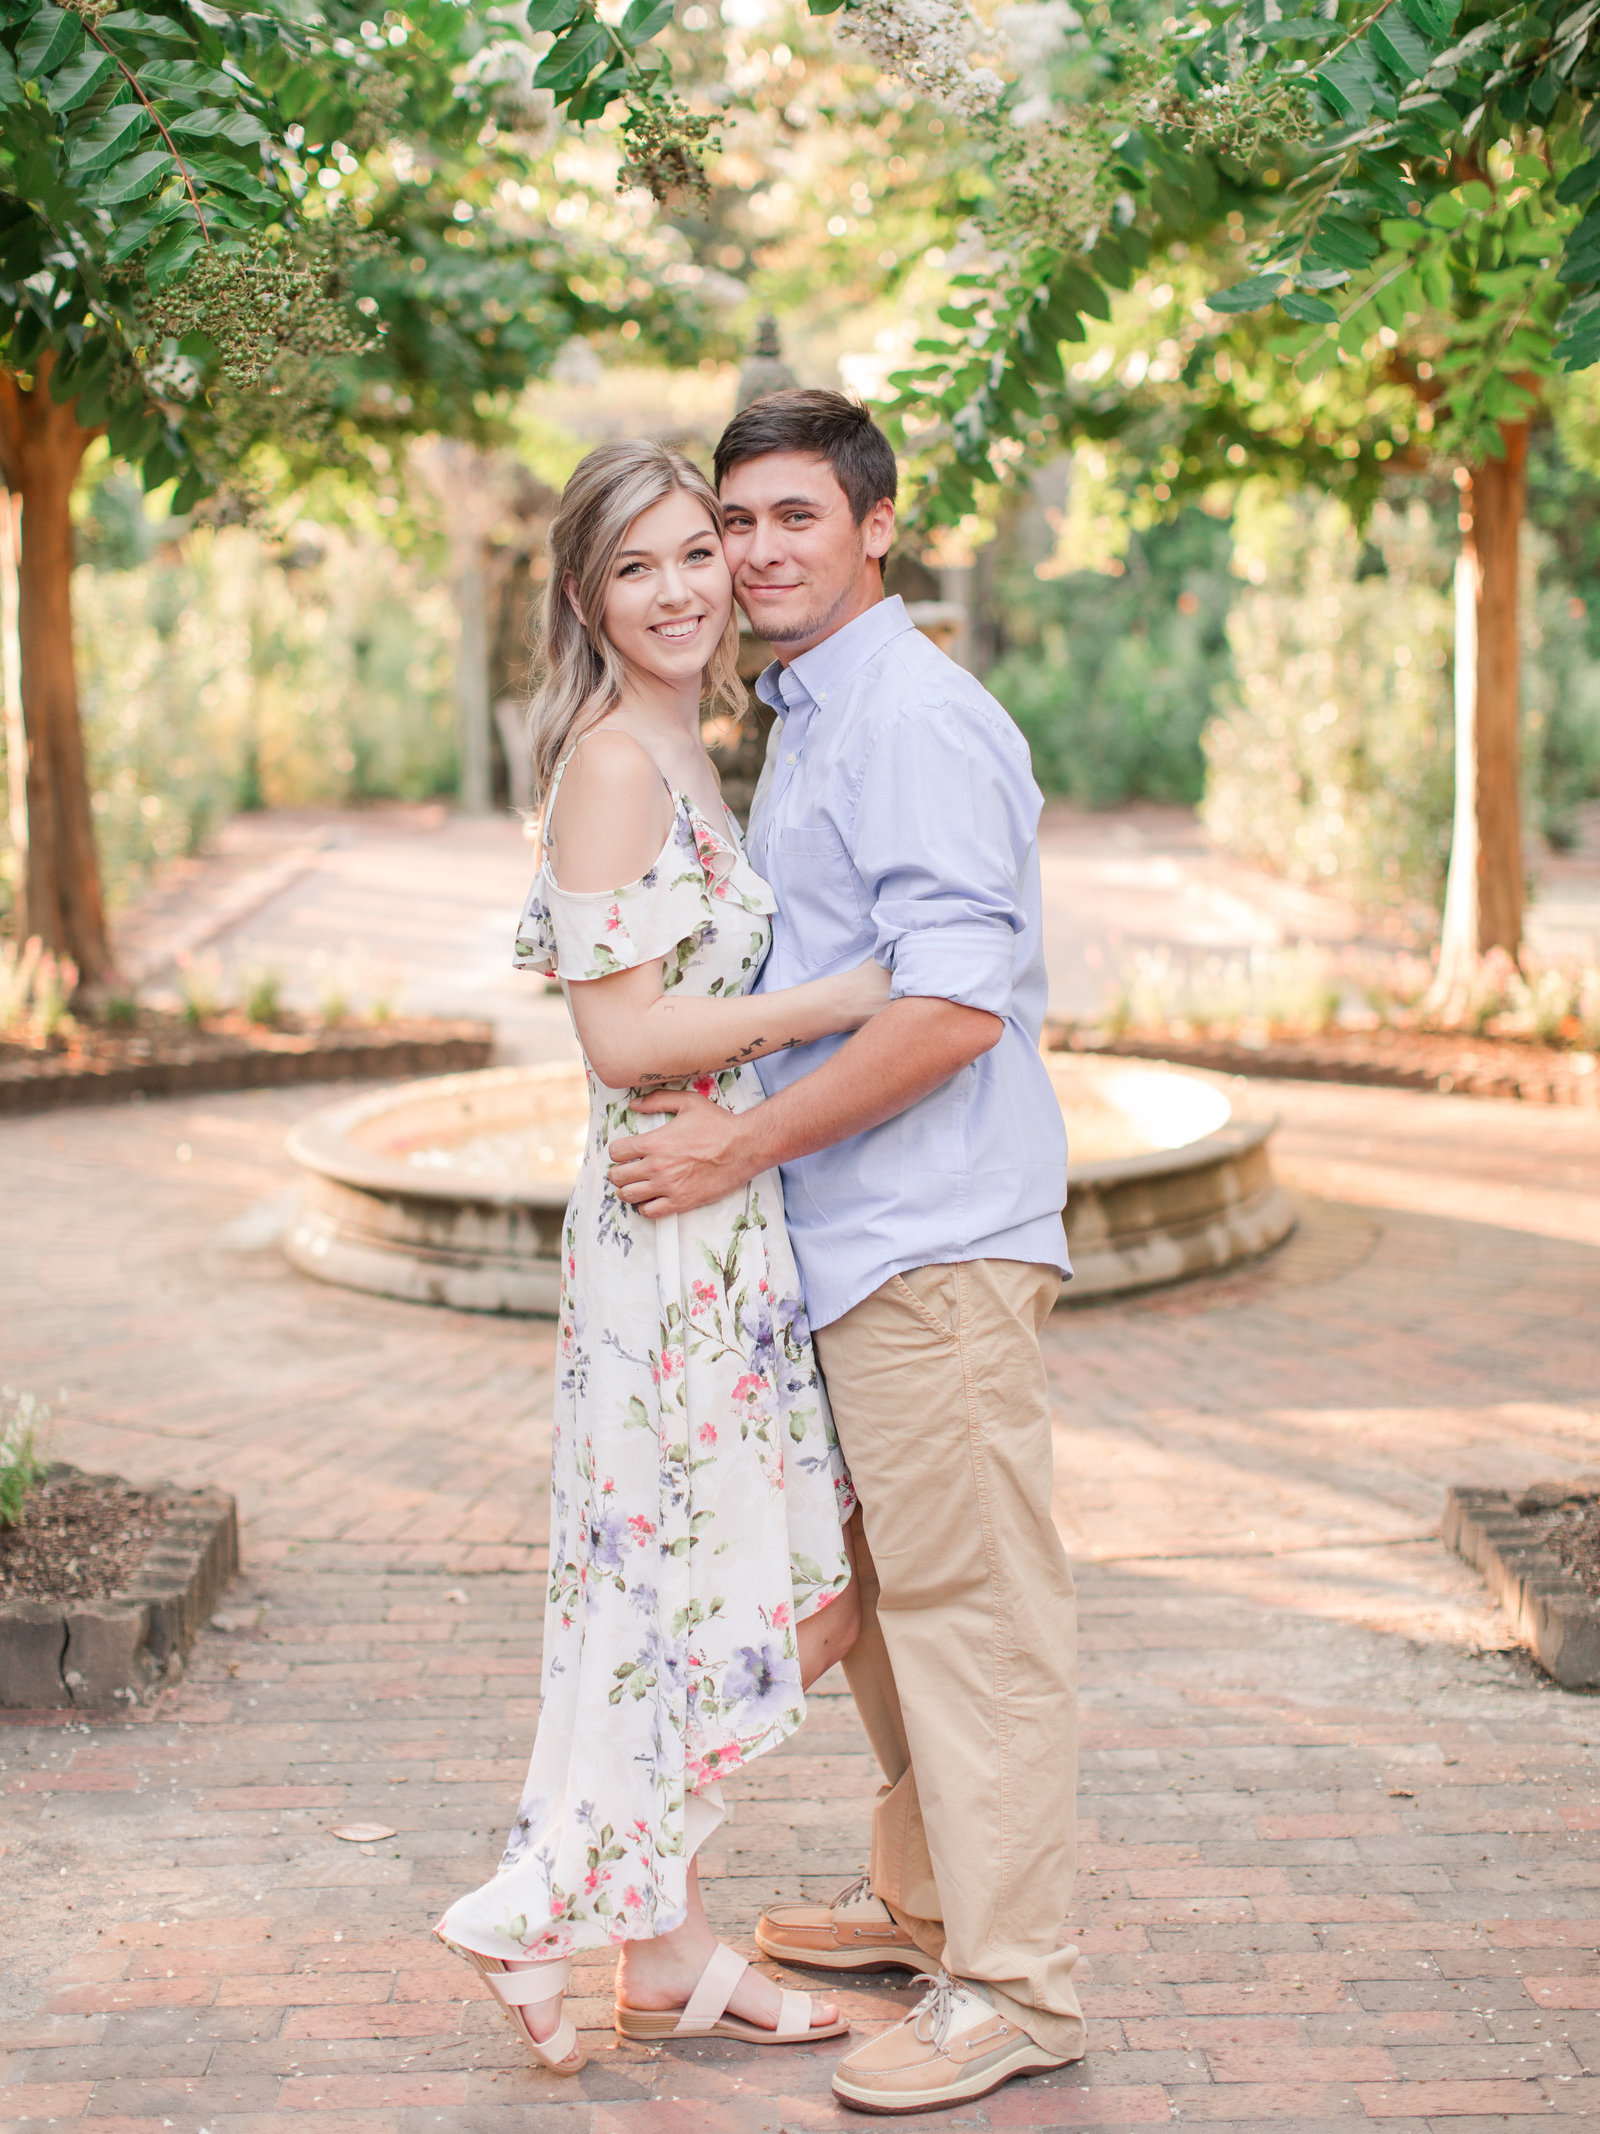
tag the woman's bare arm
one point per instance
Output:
(612, 817)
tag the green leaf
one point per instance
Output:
(50, 39)
(110, 134)
(1338, 242)
(1434, 18)
(1397, 44)
(573, 56)
(186, 78)
(131, 235)
(1311, 308)
(1579, 344)
(10, 87)
(243, 128)
(75, 84)
(172, 255)
(1251, 295)
(1299, 29)
(131, 180)
(645, 19)
(1445, 213)
(1353, 85)
(1476, 196)
(552, 14)
(236, 177)
(132, 22)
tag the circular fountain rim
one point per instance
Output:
(321, 1143)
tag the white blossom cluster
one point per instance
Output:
(925, 44)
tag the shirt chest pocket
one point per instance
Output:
(819, 887)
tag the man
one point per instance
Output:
(924, 1172)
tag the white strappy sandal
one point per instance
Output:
(706, 2014)
(533, 1988)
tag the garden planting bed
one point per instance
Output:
(1386, 1059)
(162, 1055)
(103, 1588)
(1539, 1552)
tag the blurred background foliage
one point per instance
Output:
(1268, 653)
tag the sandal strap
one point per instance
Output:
(794, 2015)
(528, 1989)
(709, 2000)
(559, 2046)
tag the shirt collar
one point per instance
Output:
(827, 667)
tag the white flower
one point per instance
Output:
(925, 43)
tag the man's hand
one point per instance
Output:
(694, 1160)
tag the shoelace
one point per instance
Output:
(857, 1892)
(936, 2008)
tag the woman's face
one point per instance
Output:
(669, 596)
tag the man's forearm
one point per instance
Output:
(908, 1049)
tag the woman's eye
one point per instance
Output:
(699, 555)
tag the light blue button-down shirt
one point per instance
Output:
(898, 818)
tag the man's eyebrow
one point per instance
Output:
(784, 503)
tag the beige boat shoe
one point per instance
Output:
(954, 2046)
(855, 1932)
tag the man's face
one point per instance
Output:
(801, 565)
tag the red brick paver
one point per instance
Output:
(1338, 1860)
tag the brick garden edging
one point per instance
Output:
(89, 1654)
(1465, 1067)
(1550, 1609)
(445, 1048)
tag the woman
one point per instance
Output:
(699, 1575)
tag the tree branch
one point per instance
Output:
(133, 83)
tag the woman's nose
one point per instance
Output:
(674, 592)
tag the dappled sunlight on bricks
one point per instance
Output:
(1335, 1844)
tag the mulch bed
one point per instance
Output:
(77, 1539)
(161, 1054)
(1390, 1059)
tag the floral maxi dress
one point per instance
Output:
(697, 1489)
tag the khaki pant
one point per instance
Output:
(966, 1669)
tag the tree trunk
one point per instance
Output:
(58, 885)
(1484, 895)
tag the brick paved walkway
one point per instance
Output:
(1339, 1861)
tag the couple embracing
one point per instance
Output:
(805, 1421)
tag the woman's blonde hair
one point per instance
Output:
(577, 670)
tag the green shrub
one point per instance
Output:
(262, 997)
(1113, 678)
(229, 671)
(1332, 759)
(23, 1465)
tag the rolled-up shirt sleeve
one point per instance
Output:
(943, 827)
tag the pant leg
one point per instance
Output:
(966, 1672)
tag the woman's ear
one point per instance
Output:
(569, 586)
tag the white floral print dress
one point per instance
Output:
(697, 1487)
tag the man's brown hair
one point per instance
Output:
(829, 425)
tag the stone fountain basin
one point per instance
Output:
(452, 1191)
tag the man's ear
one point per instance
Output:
(878, 526)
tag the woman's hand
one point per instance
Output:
(860, 993)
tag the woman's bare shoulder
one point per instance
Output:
(611, 816)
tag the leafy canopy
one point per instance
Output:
(219, 224)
